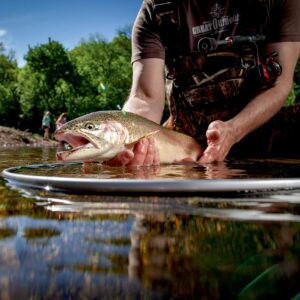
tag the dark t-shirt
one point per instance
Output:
(192, 107)
(217, 19)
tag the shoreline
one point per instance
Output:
(11, 137)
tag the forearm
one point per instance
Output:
(145, 107)
(266, 104)
(260, 110)
(147, 95)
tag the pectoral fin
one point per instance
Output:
(106, 148)
(150, 134)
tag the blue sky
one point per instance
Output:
(32, 22)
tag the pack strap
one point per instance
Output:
(169, 26)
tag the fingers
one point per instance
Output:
(140, 153)
(215, 151)
(156, 159)
(218, 141)
(211, 154)
(213, 132)
(145, 153)
(121, 159)
(212, 135)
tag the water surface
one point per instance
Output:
(76, 246)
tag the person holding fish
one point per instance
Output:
(226, 66)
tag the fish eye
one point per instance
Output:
(89, 126)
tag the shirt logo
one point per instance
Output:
(217, 24)
(217, 11)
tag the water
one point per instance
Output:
(57, 245)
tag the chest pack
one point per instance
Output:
(217, 59)
(200, 80)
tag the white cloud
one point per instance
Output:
(3, 32)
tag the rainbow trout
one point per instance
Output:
(100, 136)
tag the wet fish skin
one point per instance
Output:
(100, 136)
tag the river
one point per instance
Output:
(57, 245)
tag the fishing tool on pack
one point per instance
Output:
(264, 71)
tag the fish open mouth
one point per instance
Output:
(74, 143)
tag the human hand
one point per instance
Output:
(144, 153)
(220, 138)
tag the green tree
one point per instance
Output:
(9, 99)
(106, 70)
(48, 82)
(95, 75)
(122, 66)
(294, 96)
(297, 82)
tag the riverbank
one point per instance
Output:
(14, 137)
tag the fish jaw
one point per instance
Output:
(88, 154)
(75, 140)
(86, 148)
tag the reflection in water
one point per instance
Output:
(219, 170)
(284, 206)
(219, 260)
(95, 170)
(156, 256)
(65, 246)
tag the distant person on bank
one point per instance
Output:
(46, 124)
(62, 119)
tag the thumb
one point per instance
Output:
(212, 135)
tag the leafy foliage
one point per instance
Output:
(106, 70)
(95, 75)
(294, 96)
(47, 82)
(9, 100)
